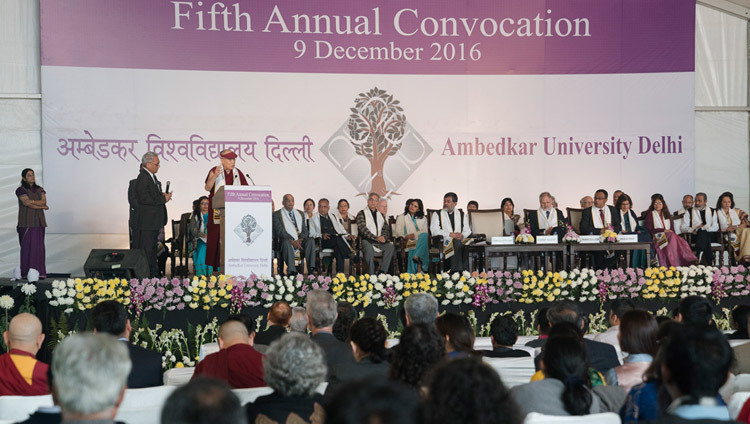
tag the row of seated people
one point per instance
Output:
(673, 371)
(412, 236)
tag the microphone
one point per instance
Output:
(168, 186)
(251, 179)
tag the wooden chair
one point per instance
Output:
(399, 242)
(436, 246)
(485, 224)
(180, 248)
(574, 218)
(527, 214)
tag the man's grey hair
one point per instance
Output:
(298, 321)
(294, 365)
(702, 194)
(373, 194)
(148, 157)
(421, 308)
(321, 308)
(90, 372)
(565, 311)
(546, 194)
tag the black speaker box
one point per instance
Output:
(116, 263)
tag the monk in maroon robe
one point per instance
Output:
(237, 363)
(21, 374)
(217, 177)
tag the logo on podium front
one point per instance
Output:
(248, 230)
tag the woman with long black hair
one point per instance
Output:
(32, 202)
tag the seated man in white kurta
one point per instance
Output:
(454, 227)
(290, 230)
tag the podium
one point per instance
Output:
(245, 227)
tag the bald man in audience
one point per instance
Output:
(237, 363)
(278, 320)
(21, 374)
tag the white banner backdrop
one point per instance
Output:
(483, 137)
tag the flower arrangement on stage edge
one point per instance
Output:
(525, 237)
(609, 236)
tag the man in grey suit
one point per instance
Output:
(151, 212)
(290, 230)
(375, 231)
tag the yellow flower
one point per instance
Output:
(550, 298)
(202, 284)
(407, 293)
(213, 279)
(465, 289)
(79, 296)
(179, 365)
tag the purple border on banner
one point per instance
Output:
(234, 196)
(614, 36)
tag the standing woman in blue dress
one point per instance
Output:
(32, 202)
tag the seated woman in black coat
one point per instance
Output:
(367, 337)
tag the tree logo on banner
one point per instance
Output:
(248, 230)
(375, 132)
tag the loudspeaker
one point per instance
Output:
(116, 263)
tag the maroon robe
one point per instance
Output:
(239, 365)
(12, 382)
(213, 251)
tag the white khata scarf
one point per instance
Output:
(371, 225)
(545, 222)
(289, 226)
(629, 217)
(659, 222)
(337, 224)
(726, 220)
(221, 181)
(448, 249)
(598, 218)
(313, 225)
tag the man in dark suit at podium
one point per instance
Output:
(110, 317)
(152, 209)
(596, 220)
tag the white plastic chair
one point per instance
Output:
(249, 395)
(482, 343)
(207, 349)
(18, 408)
(178, 376)
(736, 342)
(742, 383)
(727, 390)
(736, 402)
(513, 371)
(143, 406)
(605, 418)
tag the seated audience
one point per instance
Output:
(458, 335)
(696, 365)
(345, 316)
(203, 401)
(368, 338)
(638, 338)
(740, 314)
(733, 223)
(671, 249)
(616, 310)
(566, 388)
(298, 321)
(375, 232)
(294, 368)
(542, 327)
(547, 219)
(321, 314)
(703, 223)
(454, 228)
(567, 329)
(469, 391)
(695, 310)
(21, 374)
(111, 317)
(278, 321)
(295, 243)
(374, 402)
(648, 400)
(91, 373)
(421, 308)
(412, 225)
(237, 362)
(46, 414)
(419, 349)
(503, 335)
(741, 364)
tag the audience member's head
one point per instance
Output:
(618, 308)
(695, 310)
(457, 332)
(110, 316)
(565, 311)
(541, 321)
(368, 338)
(321, 310)
(564, 359)
(696, 362)
(233, 332)
(421, 308)
(472, 205)
(203, 401)
(24, 333)
(374, 401)
(294, 365)
(566, 329)
(419, 349)
(503, 331)
(246, 320)
(616, 196)
(467, 390)
(638, 331)
(298, 322)
(280, 313)
(91, 371)
(666, 329)
(345, 316)
(687, 201)
(586, 202)
(740, 314)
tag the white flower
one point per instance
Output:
(71, 283)
(263, 277)
(271, 287)
(378, 287)
(449, 295)
(381, 303)
(53, 303)
(460, 285)
(585, 284)
(71, 292)
(448, 284)
(455, 276)
(28, 289)
(278, 296)
(48, 294)
(282, 290)
(457, 302)
(466, 274)
(6, 302)
(382, 278)
(446, 302)
(288, 297)
(399, 285)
